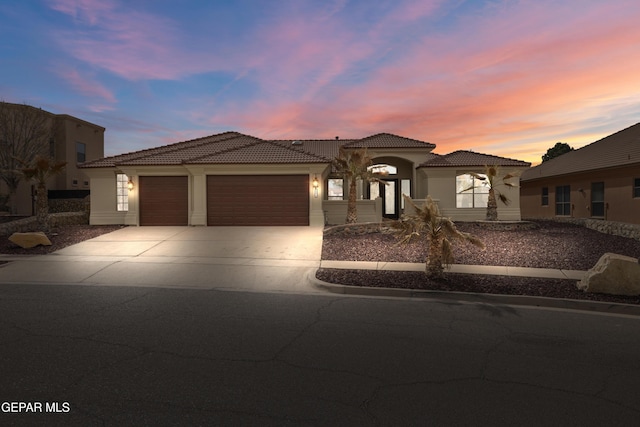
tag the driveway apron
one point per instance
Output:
(248, 258)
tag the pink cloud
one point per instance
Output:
(88, 87)
(132, 44)
(486, 86)
(505, 79)
(84, 10)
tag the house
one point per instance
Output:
(72, 140)
(236, 179)
(598, 181)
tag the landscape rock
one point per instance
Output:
(613, 274)
(30, 240)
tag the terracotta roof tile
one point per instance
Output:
(190, 154)
(260, 152)
(234, 147)
(469, 158)
(387, 140)
(163, 153)
(326, 148)
(619, 149)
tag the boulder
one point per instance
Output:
(30, 240)
(613, 274)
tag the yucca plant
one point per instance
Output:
(353, 165)
(427, 223)
(40, 171)
(490, 179)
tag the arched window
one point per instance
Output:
(383, 169)
(471, 192)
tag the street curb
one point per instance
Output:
(523, 300)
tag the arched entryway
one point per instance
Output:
(398, 175)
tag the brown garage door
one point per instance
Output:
(258, 200)
(164, 200)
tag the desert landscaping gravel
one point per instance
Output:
(552, 245)
(59, 237)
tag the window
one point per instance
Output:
(405, 187)
(122, 192)
(81, 152)
(636, 187)
(335, 189)
(597, 199)
(563, 200)
(545, 196)
(374, 190)
(383, 169)
(471, 192)
(74, 183)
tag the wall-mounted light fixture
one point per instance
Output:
(130, 185)
(315, 184)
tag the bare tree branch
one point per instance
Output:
(25, 133)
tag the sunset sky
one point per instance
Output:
(509, 78)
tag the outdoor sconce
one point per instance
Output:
(315, 184)
(130, 185)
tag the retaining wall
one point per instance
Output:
(631, 231)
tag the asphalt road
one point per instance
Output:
(88, 355)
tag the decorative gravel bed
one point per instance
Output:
(551, 245)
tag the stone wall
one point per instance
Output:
(506, 225)
(355, 229)
(55, 220)
(631, 231)
(68, 205)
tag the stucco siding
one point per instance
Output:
(620, 205)
(440, 184)
(103, 189)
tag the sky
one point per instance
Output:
(508, 78)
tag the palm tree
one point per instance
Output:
(41, 170)
(353, 165)
(427, 223)
(490, 180)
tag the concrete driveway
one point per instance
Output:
(250, 258)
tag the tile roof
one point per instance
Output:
(260, 152)
(237, 148)
(165, 152)
(387, 140)
(619, 149)
(327, 148)
(468, 159)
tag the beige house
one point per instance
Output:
(598, 181)
(73, 141)
(236, 179)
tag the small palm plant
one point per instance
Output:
(490, 180)
(353, 165)
(427, 223)
(40, 171)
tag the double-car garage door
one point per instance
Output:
(258, 200)
(231, 200)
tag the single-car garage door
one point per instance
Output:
(164, 200)
(258, 200)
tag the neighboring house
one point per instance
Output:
(599, 181)
(74, 141)
(236, 179)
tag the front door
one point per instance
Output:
(388, 190)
